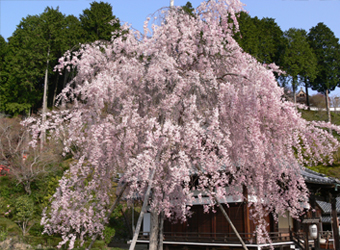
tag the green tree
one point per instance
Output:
(70, 35)
(3, 52)
(73, 35)
(248, 37)
(262, 38)
(327, 50)
(299, 61)
(98, 22)
(188, 8)
(33, 51)
(21, 86)
(24, 213)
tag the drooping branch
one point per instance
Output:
(232, 74)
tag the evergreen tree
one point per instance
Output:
(188, 9)
(271, 41)
(33, 52)
(3, 52)
(24, 63)
(299, 60)
(248, 36)
(327, 50)
(262, 38)
(98, 22)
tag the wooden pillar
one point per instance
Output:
(306, 240)
(314, 215)
(246, 217)
(335, 223)
(213, 226)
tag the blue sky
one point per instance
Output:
(287, 13)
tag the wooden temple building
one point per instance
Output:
(212, 231)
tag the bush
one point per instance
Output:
(24, 212)
(4, 203)
(9, 188)
(3, 233)
(36, 230)
(98, 244)
(48, 241)
(109, 232)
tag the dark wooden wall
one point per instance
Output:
(211, 222)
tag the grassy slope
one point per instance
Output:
(330, 170)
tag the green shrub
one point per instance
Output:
(9, 188)
(4, 206)
(24, 213)
(98, 244)
(3, 233)
(36, 230)
(109, 232)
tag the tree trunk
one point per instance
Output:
(109, 213)
(327, 106)
(161, 231)
(154, 231)
(141, 215)
(66, 73)
(294, 90)
(44, 108)
(27, 187)
(55, 90)
(156, 234)
(307, 96)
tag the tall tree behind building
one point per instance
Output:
(299, 60)
(327, 50)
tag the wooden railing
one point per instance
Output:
(326, 241)
(326, 234)
(298, 238)
(248, 238)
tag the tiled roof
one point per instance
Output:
(311, 176)
(326, 219)
(326, 206)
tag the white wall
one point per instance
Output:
(284, 223)
(146, 223)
